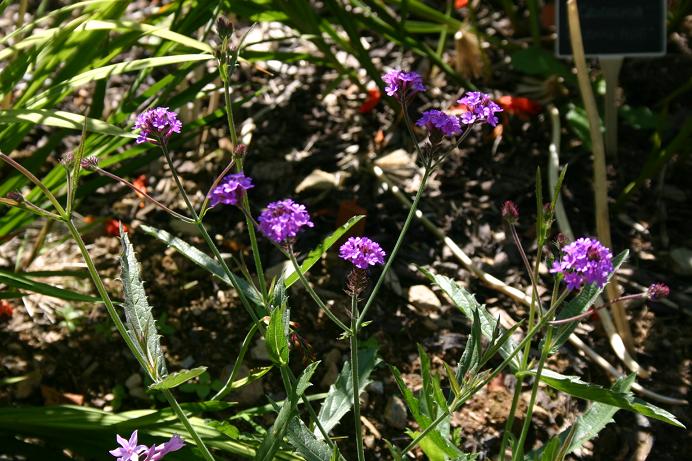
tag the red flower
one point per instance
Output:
(522, 107)
(460, 3)
(373, 99)
(112, 227)
(6, 310)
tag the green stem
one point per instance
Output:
(36, 181)
(534, 23)
(457, 403)
(314, 295)
(186, 422)
(397, 245)
(228, 386)
(355, 381)
(253, 242)
(205, 235)
(101, 288)
(519, 447)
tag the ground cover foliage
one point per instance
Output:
(241, 337)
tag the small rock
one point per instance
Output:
(423, 297)
(134, 381)
(375, 387)
(259, 351)
(395, 413)
(682, 261)
(319, 179)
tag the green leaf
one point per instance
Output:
(253, 375)
(640, 118)
(177, 378)
(467, 304)
(138, 313)
(537, 61)
(317, 252)
(590, 423)
(274, 436)
(575, 387)
(276, 336)
(305, 442)
(61, 119)
(581, 303)
(21, 282)
(204, 261)
(340, 395)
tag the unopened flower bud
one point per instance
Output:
(67, 158)
(224, 27)
(16, 196)
(90, 162)
(658, 291)
(561, 239)
(240, 150)
(510, 212)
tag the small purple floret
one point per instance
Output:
(658, 291)
(479, 108)
(157, 124)
(362, 252)
(436, 120)
(584, 261)
(402, 84)
(282, 220)
(230, 190)
(130, 451)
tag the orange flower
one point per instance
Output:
(6, 310)
(522, 107)
(112, 227)
(460, 3)
(373, 99)
(140, 183)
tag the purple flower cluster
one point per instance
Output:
(282, 220)
(155, 124)
(230, 190)
(658, 291)
(129, 450)
(584, 261)
(479, 108)
(437, 121)
(362, 252)
(402, 84)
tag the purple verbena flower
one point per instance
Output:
(128, 448)
(402, 84)
(479, 108)
(157, 124)
(130, 451)
(362, 252)
(282, 220)
(230, 190)
(658, 291)
(584, 261)
(438, 122)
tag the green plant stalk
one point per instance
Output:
(183, 419)
(458, 402)
(355, 379)
(100, 287)
(228, 386)
(397, 246)
(314, 295)
(239, 167)
(205, 235)
(534, 23)
(519, 447)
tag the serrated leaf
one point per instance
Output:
(177, 378)
(467, 304)
(204, 261)
(575, 387)
(138, 313)
(275, 336)
(317, 252)
(274, 436)
(340, 396)
(305, 442)
(579, 304)
(590, 423)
